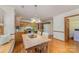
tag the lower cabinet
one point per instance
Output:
(1, 30)
(42, 48)
(18, 36)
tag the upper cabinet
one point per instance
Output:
(22, 22)
(1, 22)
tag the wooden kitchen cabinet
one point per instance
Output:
(24, 24)
(1, 30)
(18, 36)
(42, 48)
(1, 25)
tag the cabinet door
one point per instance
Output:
(1, 25)
(18, 36)
(1, 30)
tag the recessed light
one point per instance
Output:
(35, 5)
(22, 6)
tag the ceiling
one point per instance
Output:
(43, 11)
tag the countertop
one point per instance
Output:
(30, 42)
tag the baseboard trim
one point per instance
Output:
(58, 39)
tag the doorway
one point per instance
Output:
(46, 27)
(68, 33)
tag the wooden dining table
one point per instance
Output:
(38, 44)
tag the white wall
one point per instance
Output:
(9, 20)
(59, 23)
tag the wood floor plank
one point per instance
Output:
(54, 46)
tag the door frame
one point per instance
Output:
(66, 27)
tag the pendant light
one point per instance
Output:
(36, 18)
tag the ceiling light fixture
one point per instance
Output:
(35, 5)
(36, 18)
(22, 6)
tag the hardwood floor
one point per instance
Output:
(54, 46)
(57, 46)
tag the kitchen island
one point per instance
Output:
(38, 44)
